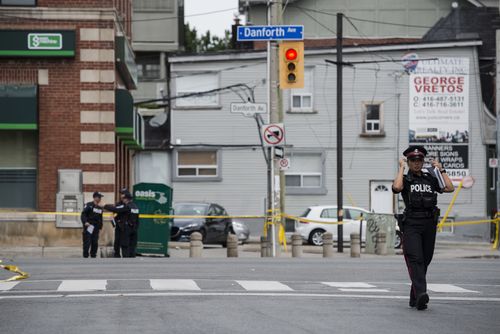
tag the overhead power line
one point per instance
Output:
(368, 20)
(132, 20)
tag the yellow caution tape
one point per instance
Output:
(147, 216)
(20, 274)
(271, 219)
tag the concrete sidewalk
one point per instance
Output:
(444, 250)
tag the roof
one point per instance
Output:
(466, 23)
(259, 54)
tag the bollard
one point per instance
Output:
(232, 245)
(327, 244)
(381, 244)
(263, 247)
(355, 245)
(196, 246)
(296, 245)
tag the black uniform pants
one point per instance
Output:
(90, 242)
(133, 242)
(117, 242)
(419, 237)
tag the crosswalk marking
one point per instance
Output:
(82, 285)
(248, 285)
(448, 288)
(5, 286)
(348, 284)
(264, 286)
(174, 284)
(362, 290)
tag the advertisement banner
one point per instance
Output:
(439, 110)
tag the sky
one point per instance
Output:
(216, 22)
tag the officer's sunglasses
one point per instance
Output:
(416, 159)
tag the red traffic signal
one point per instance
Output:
(291, 54)
(291, 60)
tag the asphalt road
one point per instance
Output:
(247, 295)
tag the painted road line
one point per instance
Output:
(362, 290)
(264, 286)
(448, 288)
(6, 286)
(348, 285)
(174, 284)
(251, 294)
(82, 285)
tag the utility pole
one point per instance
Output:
(275, 8)
(340, 211)
(498, 123)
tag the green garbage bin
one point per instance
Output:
(154, 233)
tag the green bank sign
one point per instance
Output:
(39, 43)
(45, 41)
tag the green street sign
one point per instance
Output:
(154, 233)
(45, 41)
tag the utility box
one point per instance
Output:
(69, 198)
(380, 223)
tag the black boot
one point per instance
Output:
(422, 300)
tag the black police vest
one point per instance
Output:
(420, 192)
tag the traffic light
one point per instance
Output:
(291, 65)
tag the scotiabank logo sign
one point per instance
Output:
(45, 41)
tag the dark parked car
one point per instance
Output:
(213, 230)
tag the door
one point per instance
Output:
(381, 197)
(211, 224)
(219, 223)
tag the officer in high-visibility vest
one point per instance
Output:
(419, 190)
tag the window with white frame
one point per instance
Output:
(189, 84)
(201, 164)
(372, 118)
(301, 100)
(306, 173)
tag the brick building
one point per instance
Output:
(66, 114)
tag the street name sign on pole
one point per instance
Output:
(248, 109)
(273, 135)
(270, 33)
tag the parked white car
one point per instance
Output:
(313, 232)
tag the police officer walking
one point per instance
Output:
(127, 225)
(91, 218)
(419, 190)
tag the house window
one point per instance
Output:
(306, 174)
(373, 124)
(153, 5)
(302, 99)
(189, 84)
(148, 71)
(198, 165)
(148, 66)
(18, 2)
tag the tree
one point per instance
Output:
(206, 42)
